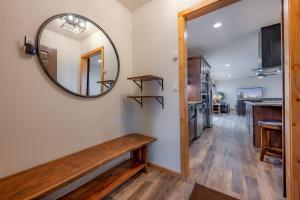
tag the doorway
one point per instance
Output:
(290, 96)
(92, 72)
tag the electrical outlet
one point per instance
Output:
(175, 57)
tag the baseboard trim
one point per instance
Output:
(165, 170)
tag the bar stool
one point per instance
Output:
(267, 128)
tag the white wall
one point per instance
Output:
(155, 33)
(38, 121)
(272, 87)
(68, 58)
(46, 123)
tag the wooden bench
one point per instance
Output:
(47, 178)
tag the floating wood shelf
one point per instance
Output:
(106, 83)
(139, 99)
(138, 80)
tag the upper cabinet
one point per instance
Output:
(198, 72)
(270, 46)
(194, 79)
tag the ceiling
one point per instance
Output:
(55, 26)
(236, 41)
(132, 5)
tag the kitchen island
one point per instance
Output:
(264, 110)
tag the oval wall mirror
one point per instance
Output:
(78, 55)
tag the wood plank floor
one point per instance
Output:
(222, 159)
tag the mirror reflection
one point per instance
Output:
(78, 56)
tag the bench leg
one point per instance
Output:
(141, 155)
(144, 157)
(136, 154)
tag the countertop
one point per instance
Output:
(265, 103)
(194, 102)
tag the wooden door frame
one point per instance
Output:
(83, 63)
(202, 8)
(291, 21)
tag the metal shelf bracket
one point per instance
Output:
(160, 100)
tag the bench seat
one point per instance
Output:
(47, 178)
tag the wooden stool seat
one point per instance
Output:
(266, 148)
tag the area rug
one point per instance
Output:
(203, 193)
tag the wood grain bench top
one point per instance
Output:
(44, 179)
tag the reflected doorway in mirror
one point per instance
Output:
(91, 72)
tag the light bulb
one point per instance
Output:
(70, 17)
(217, 25)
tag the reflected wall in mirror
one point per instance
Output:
(78, 55)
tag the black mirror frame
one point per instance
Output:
(37, 41)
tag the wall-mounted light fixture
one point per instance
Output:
(73, 23)
(29, 46)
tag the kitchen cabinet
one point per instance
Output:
(192, 122)
(192, 129)
(194, 79)
(249, 117)
(199, 96)
(270, 46)
(198, 78)
(200, 120)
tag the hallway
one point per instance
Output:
(222, 159)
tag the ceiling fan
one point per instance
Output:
(264, 72)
